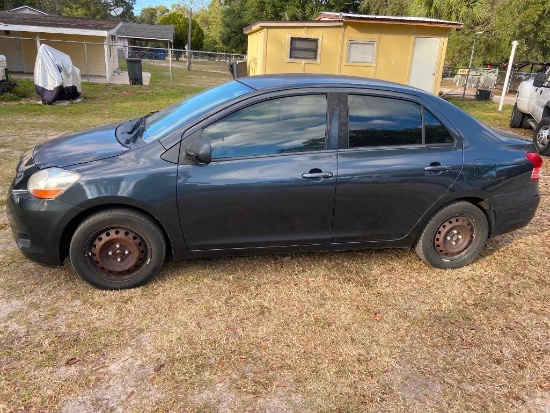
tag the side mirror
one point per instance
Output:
(199, 151)
(540, 79)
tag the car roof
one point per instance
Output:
(300, 80)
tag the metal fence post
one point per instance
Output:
(86, 58)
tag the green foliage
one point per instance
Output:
(23, 90)
(385, 7)
(151, 15)
(181, 29)
(210, 20)
(237, 14)
(453, 10)
(97, 9)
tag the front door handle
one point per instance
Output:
(317, 175)
(437, 167)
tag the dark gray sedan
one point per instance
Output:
(273, 164)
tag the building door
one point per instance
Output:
(424, 63)
(12, 49)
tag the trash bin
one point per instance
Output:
(483, 94)
(238, 69)
(135, 71)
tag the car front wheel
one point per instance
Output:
(117, 248)
(541, 137)
(454, 236)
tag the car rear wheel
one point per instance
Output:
(541, 137)
(454, 236)
(117, 248)
(516, 119)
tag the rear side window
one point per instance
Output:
(435, 132)
(379, 121)
(278, 126)
(376, 121)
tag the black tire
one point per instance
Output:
(454, 236)
(516, 119)
(117, 248)
(525, 122)
(541, 137)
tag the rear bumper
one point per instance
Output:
(38, 225)
(515, 210)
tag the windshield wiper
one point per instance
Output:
(134, 130)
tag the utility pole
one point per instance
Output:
(190, 14)
(471, 60)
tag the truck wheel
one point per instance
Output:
(517, 117)
(541, 137)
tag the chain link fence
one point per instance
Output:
(476, 79)
(109, 63)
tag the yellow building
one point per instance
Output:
(407, 50)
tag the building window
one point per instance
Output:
(361, 52)
(302, 48)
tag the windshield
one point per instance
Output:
(165, 121)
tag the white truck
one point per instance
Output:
(532, 110)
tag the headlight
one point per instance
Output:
(51, 182)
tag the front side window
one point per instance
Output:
(162, 123)
(284, 125)
(304, 48)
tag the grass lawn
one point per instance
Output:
(368, 331)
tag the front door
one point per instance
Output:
(271, 180)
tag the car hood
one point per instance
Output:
(81, 147)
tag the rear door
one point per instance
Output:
(397, 159)
(271, 180)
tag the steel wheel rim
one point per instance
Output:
(116, 252)
(454, 236)
(542, 137)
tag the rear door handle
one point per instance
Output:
(437, 168)
(317, 175)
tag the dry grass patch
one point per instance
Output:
(371, 331)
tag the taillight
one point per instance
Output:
(536, 160)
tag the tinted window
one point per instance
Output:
(166, 120)
(376, 121)
(435, 132)
(284, 125)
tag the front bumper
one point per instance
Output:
(38, 226)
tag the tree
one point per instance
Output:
(237, 14)
(97, 9)
(385, 7)
(210, 20)
(151, 15)
(234, 20)
(181, 29)
(454, 10)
